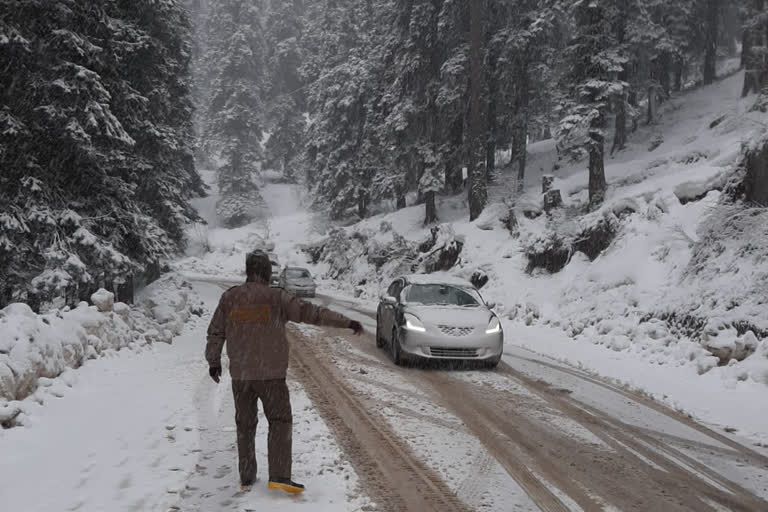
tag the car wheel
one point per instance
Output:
(380, 341)
(491, 364)
(394, 346)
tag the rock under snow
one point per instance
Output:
(121, 308)
(103, 300)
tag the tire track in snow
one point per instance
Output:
(395, 478)
(755, 458)
(469, 490)
(675, 486)
(484, 430)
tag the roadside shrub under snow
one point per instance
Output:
(726, 296)
(550, 241)
(369, 259)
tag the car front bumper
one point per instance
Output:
(436, 345)
(301, 292)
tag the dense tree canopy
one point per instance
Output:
(367, 102)
(390, 85)
(95, 143)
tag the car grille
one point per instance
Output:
(453, 352)
(450, 330)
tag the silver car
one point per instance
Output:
(432, 317)
(298, 281)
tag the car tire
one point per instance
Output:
(380, 341)
(395, 349)
(491, 364)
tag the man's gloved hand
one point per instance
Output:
(215, 373)
(356, 327)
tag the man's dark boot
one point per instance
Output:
(285, 484)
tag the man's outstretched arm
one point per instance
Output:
(215, 344)
(304, 312)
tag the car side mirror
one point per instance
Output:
(388, 299)
(490, 305)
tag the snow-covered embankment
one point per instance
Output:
(39, 351)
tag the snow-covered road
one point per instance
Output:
(150, 431)
(569, 440)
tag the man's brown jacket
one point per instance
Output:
(251, 319)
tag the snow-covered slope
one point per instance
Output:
(638, 293)
(217, 251)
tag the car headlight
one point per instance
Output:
(413, 324)
(494, 326)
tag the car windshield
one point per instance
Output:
(297, 273)
(441, 294)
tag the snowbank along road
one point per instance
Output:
(534, 434)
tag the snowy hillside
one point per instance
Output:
(667, 290)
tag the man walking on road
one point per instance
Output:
(251, 319)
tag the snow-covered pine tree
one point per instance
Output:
(78, 143)
(592, 66)
(342, 68)
(754, 56)
(643, 45)
(685, 34)
(413, 128)
(452, 93)
(156, 106)
(335, 132)
(201, 73)
(286, 96)
(236, 108)
(526, 45)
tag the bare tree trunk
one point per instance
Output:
(400, 197)
(620, 133)
(679, 65)
(751, 82)
(521, 163)
(490, 137)
(287, 171)
(430, 208)
(520, 129)
(596, 164)
(632, 100)
(478, 191)
(125, 291)
(490, 158)
(665, 64)
(710, 55)
(651, 104)
(746, 48)
(453, 180)
(362, 204)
